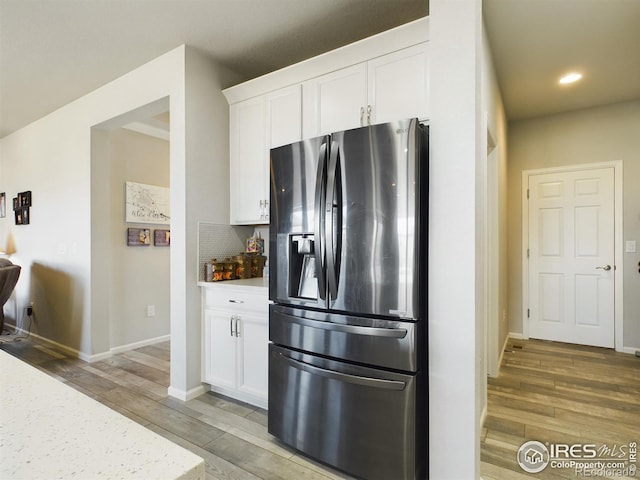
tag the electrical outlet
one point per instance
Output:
(151, 310)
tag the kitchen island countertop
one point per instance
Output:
(49, 430)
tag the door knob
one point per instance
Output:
(606, 268)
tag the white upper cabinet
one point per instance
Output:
(256, 125)
(284, 116)
(384, 89)
(397, 85)
(380, 79)
(333, 102)
(248, 167)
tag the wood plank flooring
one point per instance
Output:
(230, 436)
(546, 391)
(558, 393)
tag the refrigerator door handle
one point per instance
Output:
(330, 221)
(343, 377)
(319, 234)
(352, 329)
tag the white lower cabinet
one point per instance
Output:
(235, 342)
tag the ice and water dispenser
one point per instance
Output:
(302, 267)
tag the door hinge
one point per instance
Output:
(528, 313)
(528, 253)
(527, 194)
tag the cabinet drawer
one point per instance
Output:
(239, 299)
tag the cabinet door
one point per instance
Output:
(248, 168)
(284, 116)
(253, 341)
(221, 356)
(398, 85)
(334, 102)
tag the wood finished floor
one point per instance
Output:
(230, 436)
(546, 391)
(558, 393)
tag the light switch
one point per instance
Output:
(630, 246)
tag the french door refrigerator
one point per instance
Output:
(347, 323)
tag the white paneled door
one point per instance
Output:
(571, 257)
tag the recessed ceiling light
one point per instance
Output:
(570, 78)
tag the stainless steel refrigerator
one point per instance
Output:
(347, 326)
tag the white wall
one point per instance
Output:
(456, 335)
(52, 157)
(586, 136)
(204, 180)
(496, 221)
(139, 275)
(63, 251)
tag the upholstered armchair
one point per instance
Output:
(9, 274)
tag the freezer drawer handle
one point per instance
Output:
(337, 327)
(343, 377)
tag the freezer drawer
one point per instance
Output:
(391, 344)
(357, 419)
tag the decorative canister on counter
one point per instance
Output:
(217, 270)
(243, 266)
(257, 265)
(255, 244)
(229, 269)
(208, 272)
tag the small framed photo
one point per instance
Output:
(161, 238)
(22, 216)
(3, 205)
(24, 199)
(15, 203)
(138, 237)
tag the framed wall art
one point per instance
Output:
(161, 238)
(3, 205)
(22, 216)
(146, 204)
(138, 237)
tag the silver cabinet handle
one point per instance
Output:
(368, 114)
(606, 268)
(238, 318)
(231, 325)
(231, 300)
(362, 116)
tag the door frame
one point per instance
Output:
(617, 242)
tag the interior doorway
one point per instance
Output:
(572, 279)
(130, 284)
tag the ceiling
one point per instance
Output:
(534, 42)
(55, 51)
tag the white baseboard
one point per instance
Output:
(186, 395)
(630, 350)
(483, 416)
(516, 336)
(142, 343)
(72, 352)
(504, 347)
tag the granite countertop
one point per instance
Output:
(49, 430)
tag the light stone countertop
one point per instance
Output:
(257, 282)
(49, 430)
